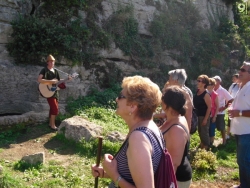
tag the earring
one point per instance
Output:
(130, 113)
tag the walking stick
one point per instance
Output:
(98, 157)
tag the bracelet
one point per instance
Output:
(117, 181)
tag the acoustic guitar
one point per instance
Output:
(48, 90)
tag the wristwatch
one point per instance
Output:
(240, 113)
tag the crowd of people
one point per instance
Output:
(136, 104)
(138, 159)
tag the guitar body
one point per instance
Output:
(48, 91)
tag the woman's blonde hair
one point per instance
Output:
(212, 81)
(144, 93)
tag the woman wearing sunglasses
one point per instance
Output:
(138, 158)
(202, 104)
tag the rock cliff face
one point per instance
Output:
(18, 83)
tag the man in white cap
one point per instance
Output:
(224, 99)
(240, 124)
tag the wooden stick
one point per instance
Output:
(98, 157)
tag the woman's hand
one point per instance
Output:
(110, 166)
(214, 119)
(204, 122)
(97, 171)
(233, 113)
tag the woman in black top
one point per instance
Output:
(202, 103)
(176, 133)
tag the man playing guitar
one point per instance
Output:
(48, 75)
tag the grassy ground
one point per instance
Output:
(68, 164)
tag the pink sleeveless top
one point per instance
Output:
(213, 108)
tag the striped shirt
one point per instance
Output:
(122, 160)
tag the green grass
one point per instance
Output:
(76, 173)
(218, 164)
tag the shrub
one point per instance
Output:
(204, 163)
(51, 32)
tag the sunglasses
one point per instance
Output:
(210, 84)
(121, 96)
(243, 70)
(199, 81)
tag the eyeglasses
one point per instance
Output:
(243, 70)
(198, 80)
(121, 96)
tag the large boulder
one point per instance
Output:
(76, 128)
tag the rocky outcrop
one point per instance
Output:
(29, 118)
(18, 83)
(78, 128)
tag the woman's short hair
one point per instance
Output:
(205, 79)
(174, 97)
(179, 75)
(143, 92)
(212, 81)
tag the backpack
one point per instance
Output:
(194, 122)
(165, 175)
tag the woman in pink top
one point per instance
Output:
(214, 108)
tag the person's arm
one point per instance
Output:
(229, 99)
(175, 140)
(188, 114)
(110, 171)
(44, 81)
(208, 102)
(217, 109)
(139, 160)
(236, 113)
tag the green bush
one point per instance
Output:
(95, 98)
(51, 32)
(204, 163)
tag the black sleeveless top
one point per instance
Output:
(200, 104)
(184, 170)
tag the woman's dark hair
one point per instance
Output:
(174, 97)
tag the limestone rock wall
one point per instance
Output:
(18, 83)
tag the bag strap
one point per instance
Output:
(163, 141)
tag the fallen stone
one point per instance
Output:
(37, 158)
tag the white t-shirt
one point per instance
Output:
(241, 125)
(223, 97)
(233, 89)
